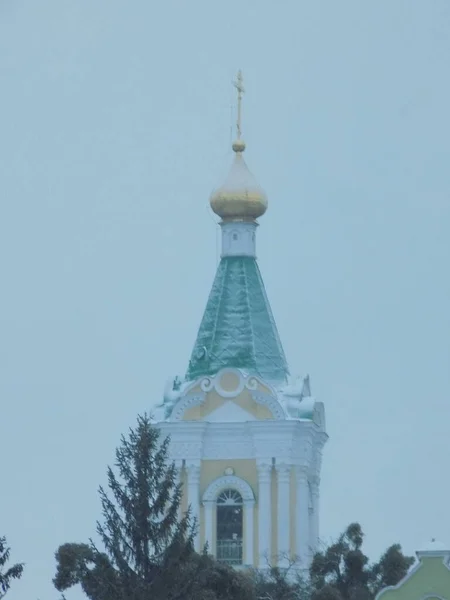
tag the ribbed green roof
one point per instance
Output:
(238, 329)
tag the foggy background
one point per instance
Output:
(115, 125)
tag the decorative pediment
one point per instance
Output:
(230, 394)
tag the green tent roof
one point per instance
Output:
(238, 329)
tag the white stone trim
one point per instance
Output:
(314, 521)
(207, 384)
(184, 404)
(271, 403)
(245, 381)
(222, 449)
(228, 482)
(193, 496)
(319, 415)
(251, 382)
(210, 504)
(229, 393)
(238, 238)
(291, 442)
(248, 531)
(208, 514)
(178, 464)
(302, 517)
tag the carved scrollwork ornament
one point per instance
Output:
(251, 383)
(206, 384)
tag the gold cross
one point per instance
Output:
(238, 84)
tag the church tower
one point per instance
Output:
(247, 439)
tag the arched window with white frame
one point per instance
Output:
(228, 504)
(230, 526)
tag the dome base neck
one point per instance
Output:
(239, 238)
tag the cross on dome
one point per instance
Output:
(240, 198)
(239, 145)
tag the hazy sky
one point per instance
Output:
(114, 127)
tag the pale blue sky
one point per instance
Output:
(114, 127)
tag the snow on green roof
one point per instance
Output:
(238, 329)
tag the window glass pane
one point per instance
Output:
(229, 527)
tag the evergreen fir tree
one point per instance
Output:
(147, 545)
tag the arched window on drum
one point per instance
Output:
(229, 527)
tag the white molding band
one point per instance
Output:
(228, 482)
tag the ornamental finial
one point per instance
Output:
(240, 198)
(239, 145)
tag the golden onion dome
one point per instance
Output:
(240, 198)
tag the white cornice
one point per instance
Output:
(293, 442)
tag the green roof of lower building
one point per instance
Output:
(238, 329)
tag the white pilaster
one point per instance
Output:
(178, 464)
(302, 533)
(208, 507)
(248, 531)
(314, 522)
(238, 238)
(178, 470)
(283, 497)
(264, 514)
(193, 496)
